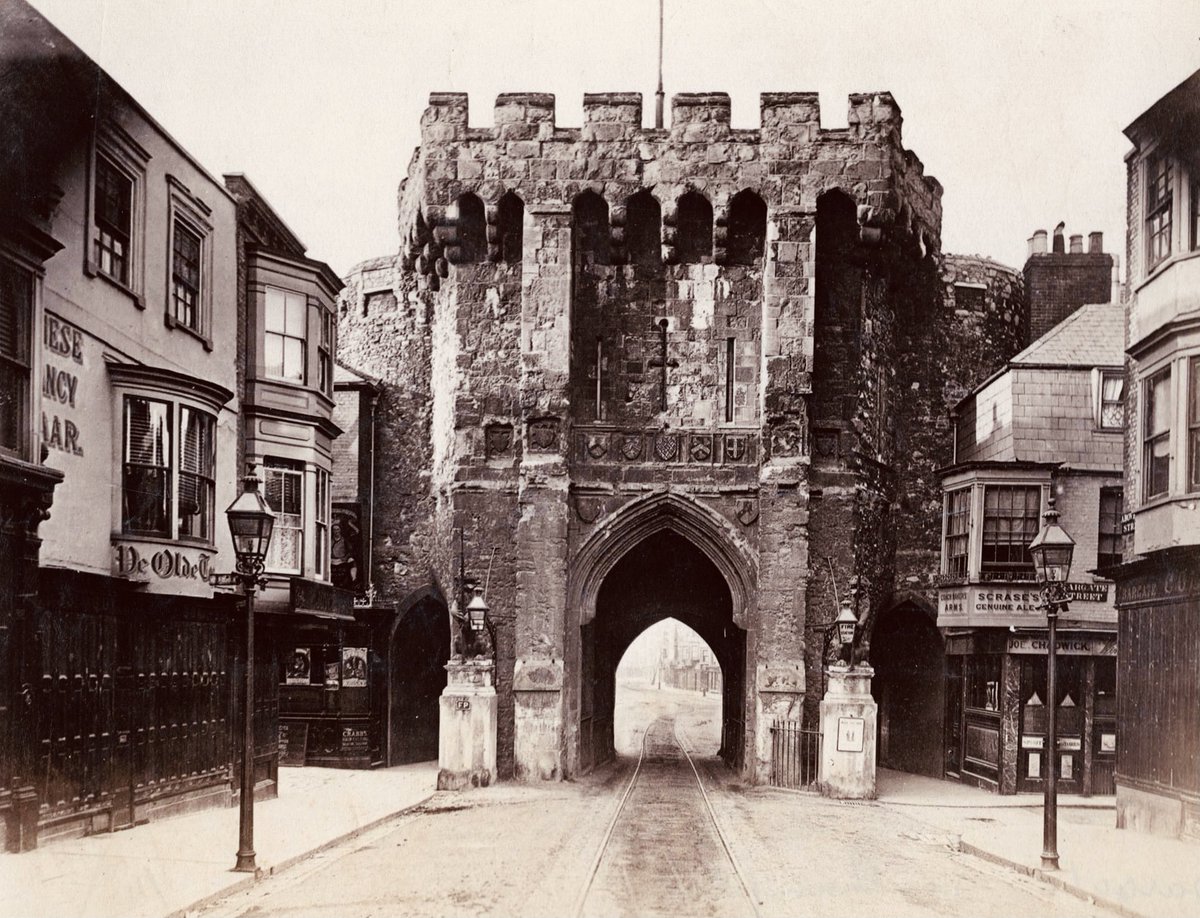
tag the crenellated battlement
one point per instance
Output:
(694, 115)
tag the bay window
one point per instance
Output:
(284, 493)
(197, 471)
(1156, 435)
(168, 481)
(1159, 194)
(1011, 517)
(958, 517)
(286, 317)
(16, 314)
(146, 479)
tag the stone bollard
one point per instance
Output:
(848, 713)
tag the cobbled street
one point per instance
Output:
(515, 850)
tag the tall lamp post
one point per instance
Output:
(1052, 550)
(250, 523)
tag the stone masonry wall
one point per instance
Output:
(489, 423)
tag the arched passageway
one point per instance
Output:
(909, 687)
(662, 576)
(668, 670)
(418, 651)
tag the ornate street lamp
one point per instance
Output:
(250, 523)
(1052, 550)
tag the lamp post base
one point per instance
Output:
(246, 863)
(1049, 860)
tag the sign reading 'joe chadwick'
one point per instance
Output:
(1002, 604)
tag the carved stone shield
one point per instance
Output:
(735, 447)
(631, 445)
(702, 447)
(597, 445)
(747, 511)
(543, 434)
(498, 439)
(588, 509)
(666, 445)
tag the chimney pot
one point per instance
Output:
(1077, 244)
(1059, 247)
(1037, 244)
(1096, 243)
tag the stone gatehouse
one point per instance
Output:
(633, 373)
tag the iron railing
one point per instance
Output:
(795, 752)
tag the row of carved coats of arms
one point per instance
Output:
(787, 440)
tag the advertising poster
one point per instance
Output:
(354, 667)
(299, 667)
(332, 672)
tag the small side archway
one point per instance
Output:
(908, 656)
(417, 649)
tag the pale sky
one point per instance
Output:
(1016, 107)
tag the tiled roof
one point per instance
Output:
(1092, 336)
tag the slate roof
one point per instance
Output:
(1092, 336)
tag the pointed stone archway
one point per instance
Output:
(663, 556)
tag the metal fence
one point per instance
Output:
(795, 752)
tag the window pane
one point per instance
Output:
(296, 309)
(293, 359)
(275, 310)
(1010, 521)
(274, 354)
(146, 486)
(1158, 404)
(147, 431)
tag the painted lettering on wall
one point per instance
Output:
(60, 387)
(166, 564)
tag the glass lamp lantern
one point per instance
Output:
(477, 610)
(846, 623)
(250, 524)
(1052, 549)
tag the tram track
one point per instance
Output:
(664, 841)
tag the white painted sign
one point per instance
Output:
(850, 734)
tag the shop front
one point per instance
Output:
(996, 698)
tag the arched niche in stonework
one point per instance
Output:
(643, 229)
(590, 237)
(510, 220)
(747, 229)
(472, 230)
(694, 219)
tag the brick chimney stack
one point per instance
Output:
(1060, 281)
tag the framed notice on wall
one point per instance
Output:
(354, 667)
(850, 734)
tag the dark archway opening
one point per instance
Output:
(591, 237)
(643, 230)
(695, 222)
(909, 687)
(472, 230)
(663, 576)
(510, 217)
(747, 229)
(419, 649)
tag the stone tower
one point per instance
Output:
(636, 373)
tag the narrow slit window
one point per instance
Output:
(730, 352)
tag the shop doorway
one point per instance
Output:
(909, 686)
(418, 651)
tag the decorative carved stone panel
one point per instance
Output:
(588, 509)
(498, 440)
(605, 444)
(788, 440)
(543, 435)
